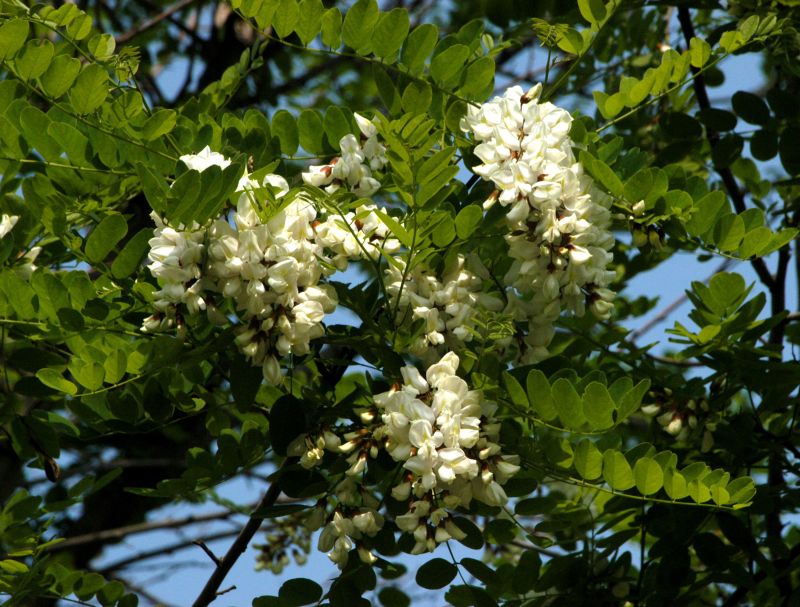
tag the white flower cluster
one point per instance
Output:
(358, 234)
(353, 168)
(270, 270)
(176, 255)
(445, 437)
(354, 517)
(439, 429)
(448, 305)
(559, 237)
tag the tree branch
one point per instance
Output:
(151, 23)
(210, 591)
(163, 550)
(736, 195)
(121, 532)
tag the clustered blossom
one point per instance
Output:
(559, 236)
(448, 306)
(443, 434)
(358, 234)
(354, 167)
(269, 262)
(354, 517)
(270, 269)
(176, 256)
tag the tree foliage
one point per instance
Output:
(171, 260)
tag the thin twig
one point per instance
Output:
(210, 591)
(207, 550)
(151, 23)
(163, 550)
(120, 532)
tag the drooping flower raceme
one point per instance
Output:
(271, 269)
(354, 166)
(267, 261)
(448, 306)
(559, 236)
(444, 436)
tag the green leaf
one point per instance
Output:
(750, 108)
(90, 89)
(570, 41)
(284, 127)
(132, 254)
(35, 125)
(159, 124)
(568, 403)
(741, 490)
(526, 572)
(60, 76)
(588, 460)
(395, 227)
(105, 237)
(764, 144)
(617, 471)
(332, 28)
(598, 406)
(10, 565)
(336, 124)
(699, 52)
(418, 47)
(602, 173)
(418, 95)
(310, 20)
(728, 232)
(717, 120)
(101, 46)
(13, 34)
(632, 400)
(34, 59)
(706, 211)
(299, 591)
(698, 491)
(594, 11)
(789, 151)
(386, 89)
(285, 18)
(311, 131)
(53, 379)
(479, 79)
(357, 29)
(515, 391)
(436, 573)
(433, 165)
(468, 220)
(675, 484)
(449, 63)
(648, 476)
(390, 33)
(540, 395)
(153, 186)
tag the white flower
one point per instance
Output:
(559, 224)
(7, 223)
(205, 159)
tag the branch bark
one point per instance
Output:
(121, 532)
(736, 195)
(211, 589)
